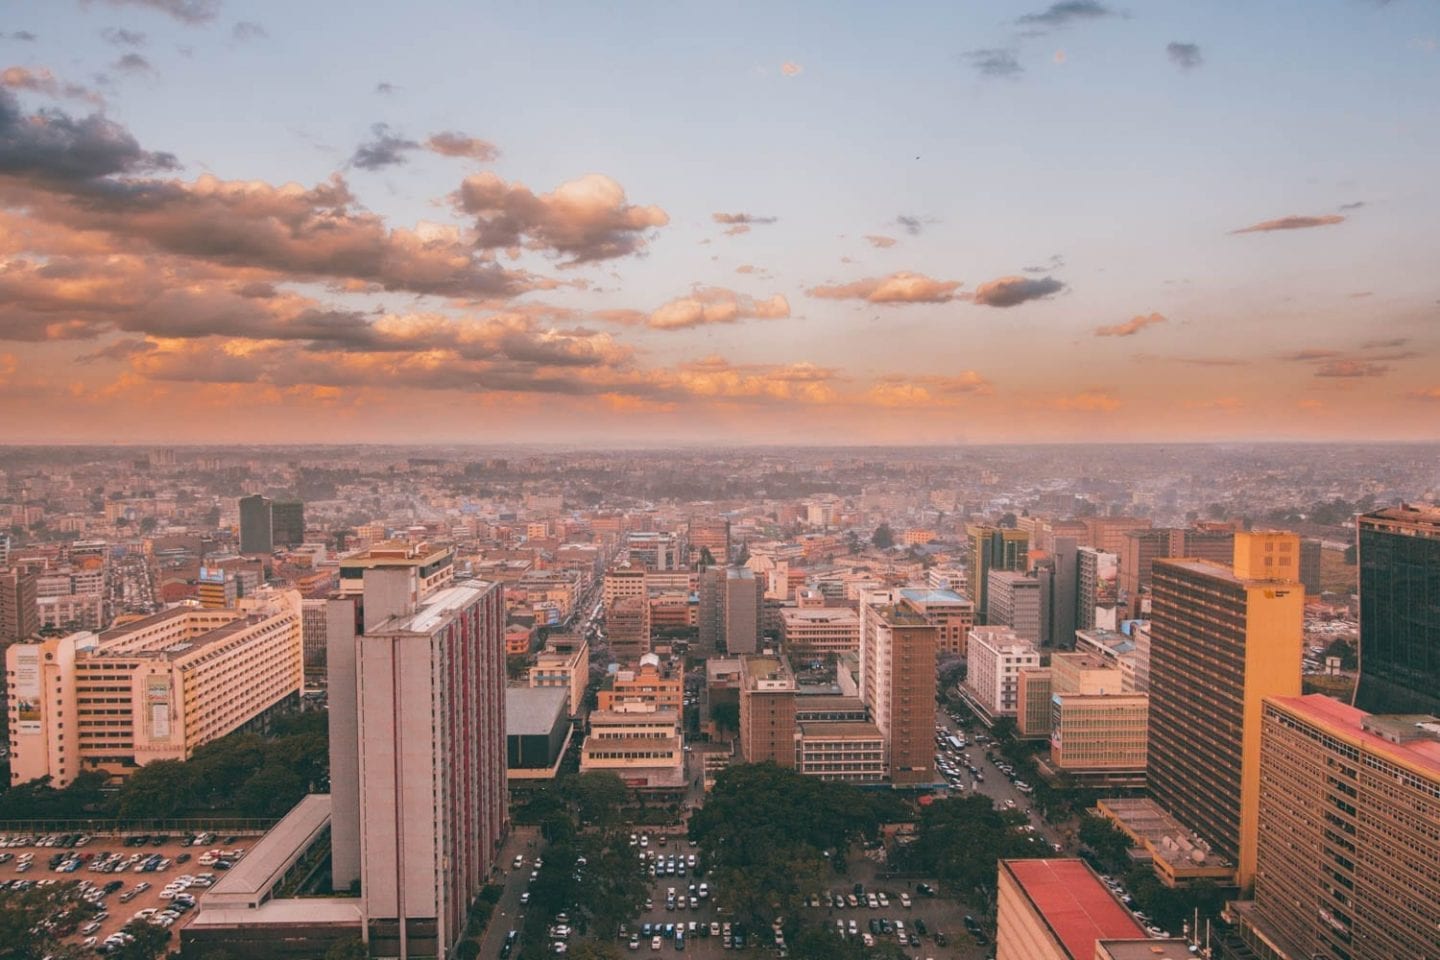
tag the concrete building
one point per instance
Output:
(565, 663)
(1098, 729)
(1399, 554)
(639, 743)
(1015, 603)
(1222, 640)
(712, 534)
(731, 607)
(819, 631)
(1116, 650)
(1178, 855)
(767, 711)
(952, 615)
(627, 627)
(648, 683)
(1097, 586)
(153, 689)
(19, 615)
(1059, 576)
(1349, 845)
(841, 751)
(1108, 533)
(992, 680)
(1056, 910)
(256, 534)
(1032, 716)
(537, 731)
(653, 550)
(314, 635)
(430, 728)
(623, 581)
(993, 548)
(897, 683)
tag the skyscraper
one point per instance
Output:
(423, 681)
(1346, 864)
(993, 548)
(287, 523)
(1222, 640)
(1399, 552)
(732, 601)
(19, 614)
(256, 535)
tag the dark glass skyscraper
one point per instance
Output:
(255, 525)
(1399, 610)
(287, 523)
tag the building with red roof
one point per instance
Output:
(1057, 910)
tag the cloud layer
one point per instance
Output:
(1013, 291)
(893, 290)
(1292, 223)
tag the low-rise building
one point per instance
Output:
(847, 752)
(992, 682)
(565, 662)
(819, 631)
(537, 731)
(640, 743)
(1056, 910)
(648, 683)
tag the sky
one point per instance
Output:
(687, 223)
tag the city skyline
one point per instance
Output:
(1022, 223)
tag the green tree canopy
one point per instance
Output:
(883, 537)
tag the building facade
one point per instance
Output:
(1222, 639)
(256, 535)
(154, 689)
(1056, 910)
(993, 548)
(1015, 603)
(767, 711)
(992, 678)
(1348, 864)
(897, 683)
(819, 631)
(1399, 556)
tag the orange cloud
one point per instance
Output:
(897, 288)
(1427, 393)
(704, 306)
(42, 81)
(1130, 327)
(899, 390)
(880, 240)
(450, 144)
(791, 68)
(1292, 223)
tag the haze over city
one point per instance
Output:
(987, 223)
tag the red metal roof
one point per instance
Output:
(1077, 906)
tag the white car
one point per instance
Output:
(654, 943)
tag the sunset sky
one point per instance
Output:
(644, 223)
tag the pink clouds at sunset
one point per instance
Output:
(897, 288)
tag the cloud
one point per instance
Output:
(24, 36)
(1186, 56)
(745, 268)
(190, 12)
(1356, 205)
(913, 225)
(714, 378)
(119, 350)
(1013, 291)
(248, 30)
(132, 63)
(703, 307)
(1309, 355)
(791, 69)
(383, 149)
(1088, 401)
(42, 81)
(121, 37)
(902, 390)
(1054, 263)
(384, 88)
(895, 289)
(1224, 404)
(1352, 368)
(742, 219)
(1292, 223)
(994, 62)
(1130, 327)
(1426, 393)
(1065, 12)
(584, 220)
(879, 240)
(450, 144)
(51, 146)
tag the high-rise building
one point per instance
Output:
(19, 615)
(1098, 726)
(153, 689)
(1346, 866)
(1222, 639)
(417, 743)
(952, 614)
(1015, 603)
(1098, 572)
(993, 548)
(732, 602)
(1311, 551)
(1059, 577)
(287, 523)
(256, 534)
(627, 627)
(897, 683)
(1399, 553)
(767, 711)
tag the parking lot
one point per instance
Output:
(143, 870)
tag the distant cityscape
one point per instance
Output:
(1206, 696)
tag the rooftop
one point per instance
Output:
(435, 609)
(841, 731)
(1173, 949)
(534, 710)
(253, 876)
(921, 595)
(1074, 904)
(1420, 749)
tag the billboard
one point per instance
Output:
(208, 575)
(27, 689)
(157, 706)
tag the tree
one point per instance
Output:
(960, 839)
(1345, 650)
(467, 950)
(271, 792)
(883, 537)
(517, 666)
(592, 950)
(707, 559)
(726, 715)
(1109, 842)
(157, 790)
(351, 948)
(22, 913)
(597, 796)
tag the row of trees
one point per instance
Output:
(244, 774)
(960, 841)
